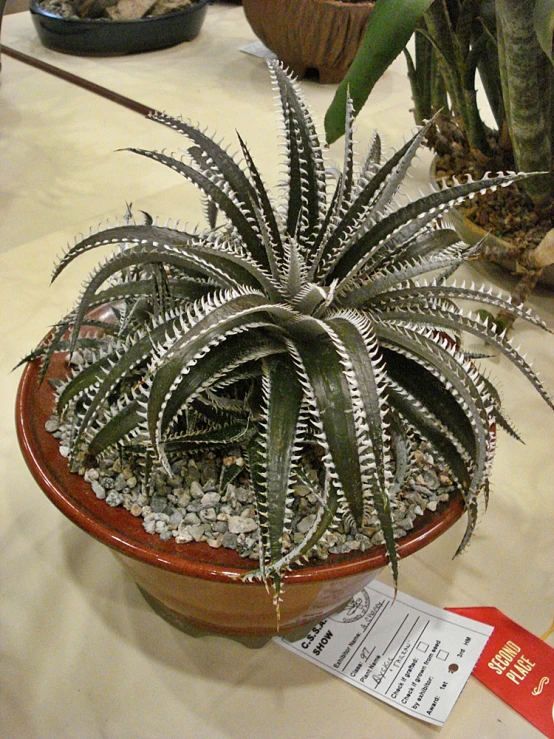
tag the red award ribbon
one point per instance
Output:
(517, 666)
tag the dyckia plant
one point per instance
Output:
(304, 323)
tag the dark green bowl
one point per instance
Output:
(104, 37)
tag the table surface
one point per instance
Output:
(82, 654)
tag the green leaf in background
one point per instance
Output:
(389, 29)
(543, 19)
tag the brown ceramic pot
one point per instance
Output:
(321, 35)
(193, 586)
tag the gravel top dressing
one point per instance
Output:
(196, 503)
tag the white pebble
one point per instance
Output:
(98, 490)
(196, 489)
(305, 523)
(241, 524)
(149, 526)
(52, 425)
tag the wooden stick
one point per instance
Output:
(79, 81)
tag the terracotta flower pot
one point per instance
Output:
(193, 586)
(321, 35)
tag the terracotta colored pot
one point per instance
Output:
(321, 35)
(192, 585)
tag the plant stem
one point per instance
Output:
(453, 51)
(526, 78)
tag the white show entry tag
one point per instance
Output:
(257, 48)
(405, 652)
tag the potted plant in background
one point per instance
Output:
(311, 35)
(100, 27)
(501, 41)
(288, 373)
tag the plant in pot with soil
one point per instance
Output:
(311, 36)
(103, 27)
(290, 386)
(501, 41)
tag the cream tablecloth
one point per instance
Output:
(82, 655)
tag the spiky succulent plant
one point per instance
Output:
(323, 320)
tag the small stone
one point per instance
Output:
(241, 524)
(183, 536)
(431, 479)
(301, 490)
(91, 475)
(175, 518)
(52, 425)
(432, 505)
(158, 504)
(131, 481)
(64, 451)
(242, 495)
(149, 526)
(229, 540)
(166, 534)
(208, 514)
(76, 358)
(305, 524)
(197, 532)
(120, 483)
(114, 499)
(208, 474)
(98, 490)
(183, 496)
(214, 543)
(196, 489)
(136, 509)
(210, 499)
(191, 519)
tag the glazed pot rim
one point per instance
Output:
(121, 531)
(35, 8)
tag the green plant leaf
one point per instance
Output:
(543, 20)
(307, 178)
(389, 29)
(278, 440)
(116, 428)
